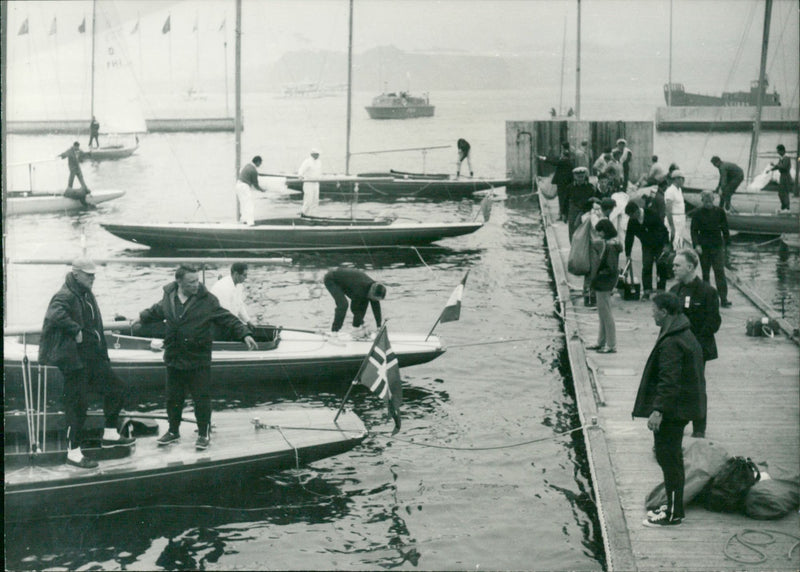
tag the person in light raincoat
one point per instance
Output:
(310, 169)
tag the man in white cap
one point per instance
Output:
(247, 181)
(311, 169)
(73, 341)
(676, 210)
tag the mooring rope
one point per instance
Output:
(751, 543)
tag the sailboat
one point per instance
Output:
(288, 234)
(113, 92)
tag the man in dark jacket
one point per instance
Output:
(344, 283)
(73, 340)
(710, 234)
(189, 311)
(645, 225)
(730, 177)
(73, 157)
(579, 192)
(562, 177)
(701, 306)
(671, 393)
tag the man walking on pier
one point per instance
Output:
(671, 393)
(730, 177)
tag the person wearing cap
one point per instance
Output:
(245, 184)
(580, 191)
(73, 157)
(730, 177)
(612, 174)
(310, 169)
(562, 177)
(73, 341)
(190, 312)
(676, 210)
(463, 155)
(626, 155)
(784, 167)
(344, 283)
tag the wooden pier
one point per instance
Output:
(753, 410)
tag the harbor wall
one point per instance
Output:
(526, 140)
(722, 119)
(155, 125)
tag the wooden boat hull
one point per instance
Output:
(768, 224)
(401, 187)
(40, 202)
(299, 235)
(110, 153)
(245, 444)
(297, 358)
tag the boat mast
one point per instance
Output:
(94, 10)
(238, 91)
(563, 57)
(669, 77)
(578, 69)
(349, 88)
(760, 95)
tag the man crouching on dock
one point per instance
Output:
(672, 393)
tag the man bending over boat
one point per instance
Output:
(73, 157)
(73, 341)
(248, 180)
(730, 177)
(463, 155)
(189, 312)
(344, 283)
(230, 293)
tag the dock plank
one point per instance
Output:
(753, 410)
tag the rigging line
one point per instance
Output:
(487, 448)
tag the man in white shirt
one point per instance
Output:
(676, 210)
(310, 169)
(230, 293)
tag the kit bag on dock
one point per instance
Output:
(775, 495)
(762, 327)
(629, 286)
(579, 262)
(727, 490)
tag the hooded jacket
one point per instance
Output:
(189, 335)
(701, 305)
(672, 380)
(71, 310)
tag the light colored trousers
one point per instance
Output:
(607, 334)
(247, 208)
(310, 197)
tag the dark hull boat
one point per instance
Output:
(282, 357)
(399, 106)
(245, 444)
(108, 153)
(681, 98)
(33, 202)
(764, 223)
(396, 185)
(302, 233)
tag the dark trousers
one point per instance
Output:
(668, 442)
(341, 304)
(93, 137)
(715, 258)
(574, 220)
(649, 257)
(95, 377)
(783, 193)
(197, 382)
(699, 424)
(72, 175)
(563, 201)
(727, 191)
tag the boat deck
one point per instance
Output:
(753, 410)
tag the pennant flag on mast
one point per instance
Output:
(135, 27)
(53, 27)
(24, 28)
(167, 26)
(452, 310)
(222, 26)
(194, 29)
(82, 27)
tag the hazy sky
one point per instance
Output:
(716, 43)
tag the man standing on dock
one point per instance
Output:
(311, 169)
(94, 132)
(701, 306)
(562, 177)
(784, 167)
(672, 392)
(730, 177)
(676, 210)
(247, 181)
(626, 155)
(190, 311)
(710, 236)
(73, 157)
(73, 341)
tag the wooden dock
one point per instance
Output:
(753, 411)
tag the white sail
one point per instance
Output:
(117, 100)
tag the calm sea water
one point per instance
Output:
(452, 499)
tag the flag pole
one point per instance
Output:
(434, 327)
(360, 370)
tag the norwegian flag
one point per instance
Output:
(380, 372)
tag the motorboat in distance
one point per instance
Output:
(399, 106)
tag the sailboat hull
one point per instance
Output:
(401, 187)
(111, 153)
(284, 237)
(38, 202)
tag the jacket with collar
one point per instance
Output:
(71, 310)
(672, 380)
(189, 334)
(700, 304)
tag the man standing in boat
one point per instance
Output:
(73, 157)
(730, 177)
(311, 168)
(247, 181)
(344, 283)
(94, 132)
(73, 341)
(189, 312)
(463, 155)
(230, 293)
(784, 167)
